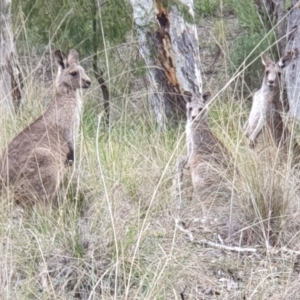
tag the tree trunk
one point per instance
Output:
(98, 73)
(269, 6)
(274, 11)
(281, 28)
(169, 46)
(10, 75)
(292, 72)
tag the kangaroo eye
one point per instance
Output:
(279, 74)
(190, 109)
(267, 73)
(74, 73)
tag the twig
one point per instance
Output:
(212, 244)
(182, 294)
(228, 248)
(283, 249)
(190, 235)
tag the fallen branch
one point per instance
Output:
(283, 249)
(212, 244)
(224, 247)
(190, 235)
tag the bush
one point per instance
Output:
(247, 49)
(206, 7)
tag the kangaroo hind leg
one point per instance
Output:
(39, 179)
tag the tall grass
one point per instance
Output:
(113, 232)
(117, 231)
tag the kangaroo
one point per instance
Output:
(206, 153)
(35, 161)
(286, 60)
(267, 107)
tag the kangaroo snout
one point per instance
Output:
(86, 83)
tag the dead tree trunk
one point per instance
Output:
(169, 46)
(281, 29)
(274, 11)
(267, 5)
(97, 72)
(292, 74)
(270, 5)
(10, 75)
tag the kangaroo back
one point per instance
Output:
(35, 161)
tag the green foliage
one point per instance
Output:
(256, 39)
(139, 67)
(246, 13)
(206, 7)
(244, 45)
(70, 23)
(184, 9)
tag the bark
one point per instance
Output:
(266, 8)
(275, 12)
(269, 7)
(99, 73)
(105, 93)
(169, 46)
(11, 84)
(281, 28)
(292, 73)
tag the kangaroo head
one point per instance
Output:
(196, 108)
(286, 60)
(71, 75)
(272, 77)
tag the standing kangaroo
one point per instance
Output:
(36, 160)
(267, 107)
(206, 153)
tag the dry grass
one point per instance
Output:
(118, 231)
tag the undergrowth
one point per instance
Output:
(118, 231)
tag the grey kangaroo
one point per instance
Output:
(267, 107)
(206, 153)
(35, 161)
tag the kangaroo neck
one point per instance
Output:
(200, 132)
(65, 104)
(199, 125)
(67, 99)
(271, 94)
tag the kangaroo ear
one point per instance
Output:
(206, 96)
(61, 59)
(266, 60)
(187, 96)
(73, 57)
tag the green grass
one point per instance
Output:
(118, 231)
(113, 233)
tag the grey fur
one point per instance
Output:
(35, 161)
